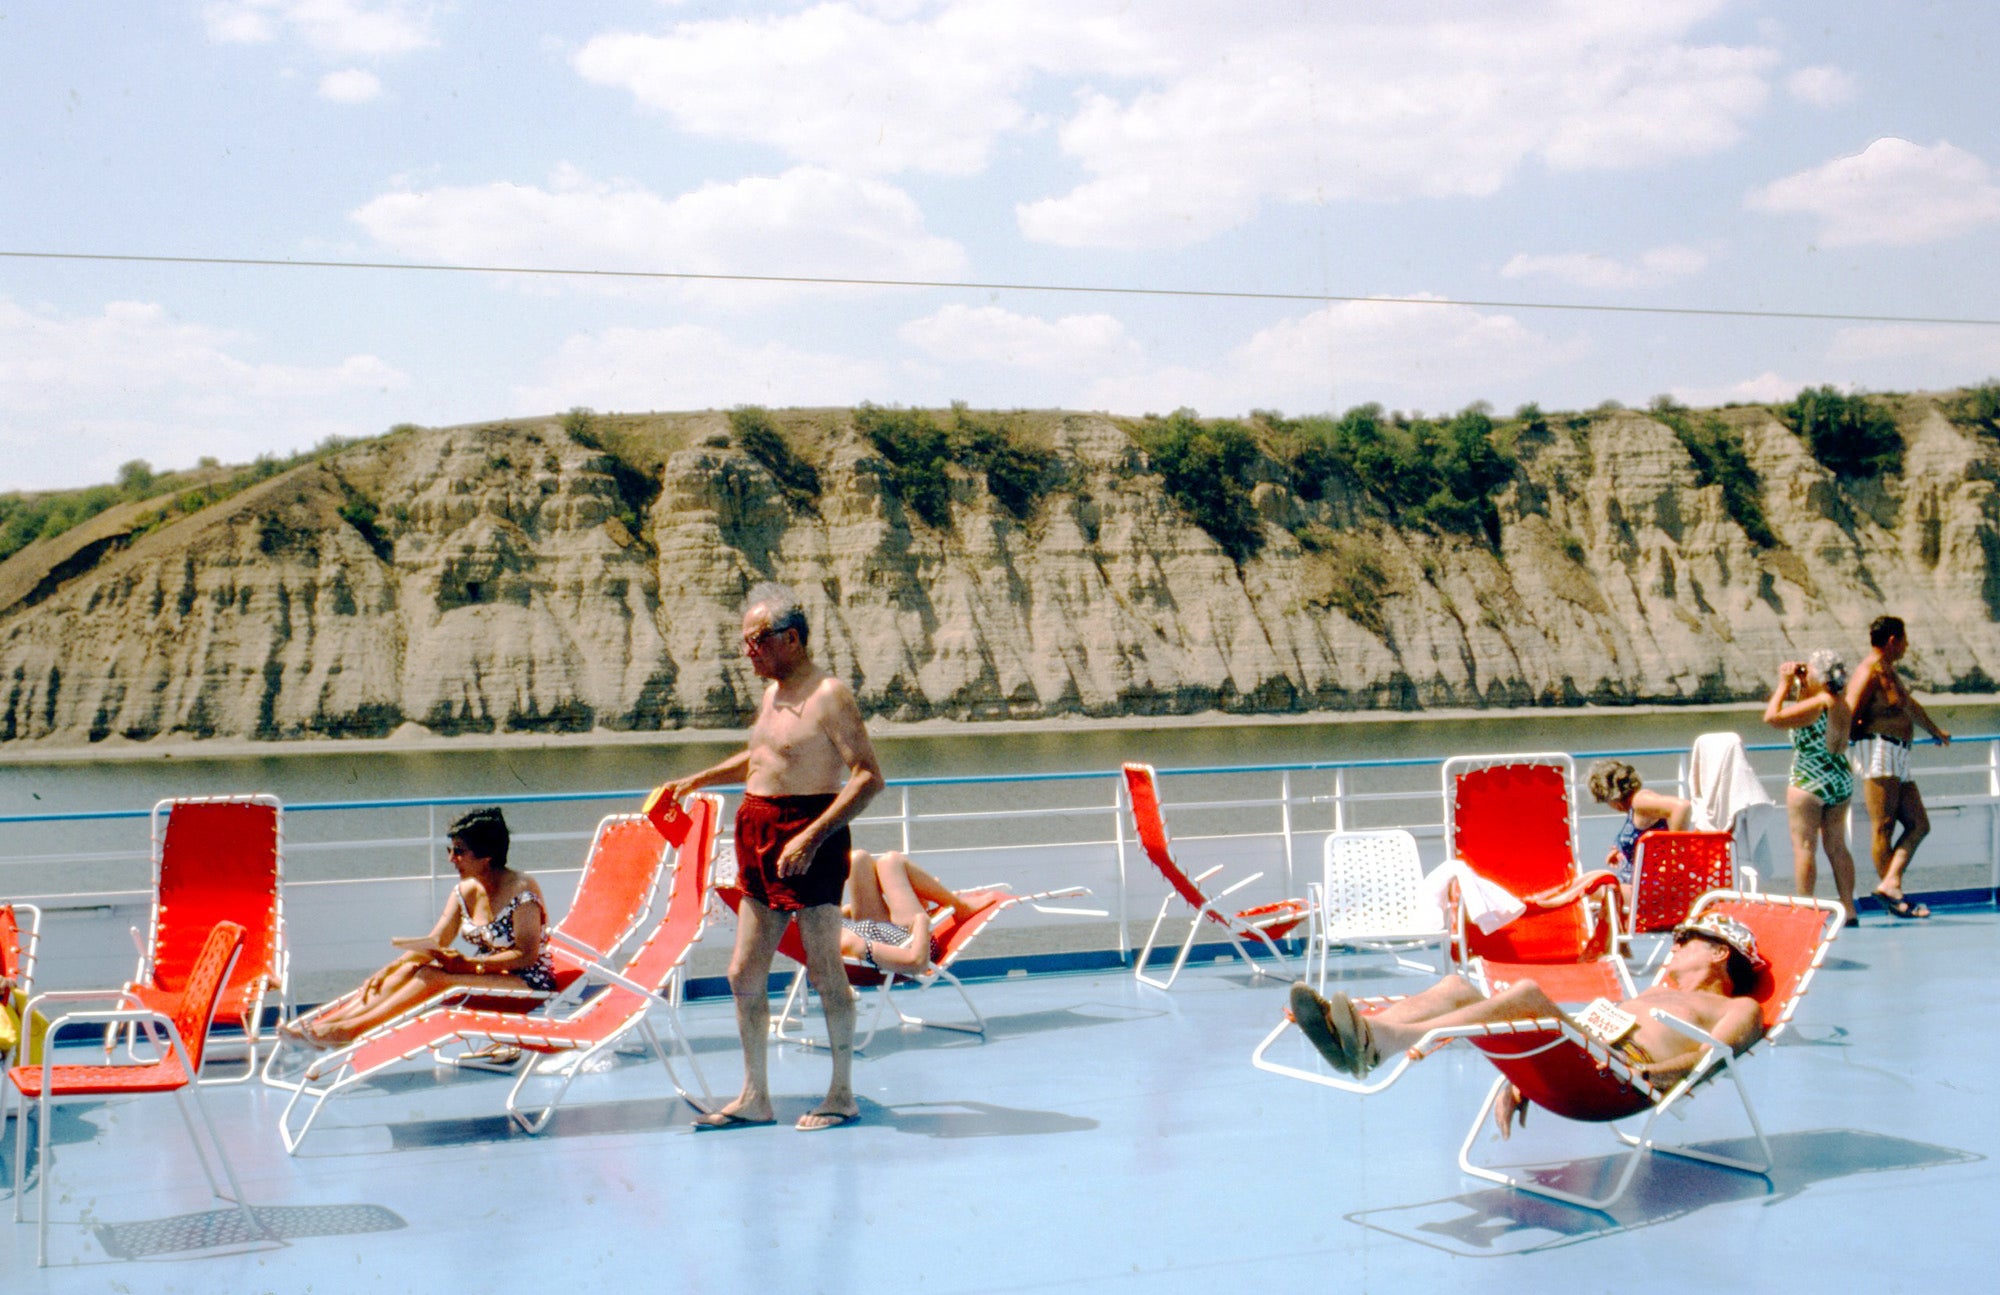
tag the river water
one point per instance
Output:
(71, 856)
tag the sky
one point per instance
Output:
(1406, 185)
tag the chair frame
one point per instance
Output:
(1321, 937)
(788, 1024)
(457, 1025)
(134, 1014)
(277, 978)
(1150, 820)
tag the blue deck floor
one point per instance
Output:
(1106, 1137)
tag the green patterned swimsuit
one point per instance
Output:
(1818, 770)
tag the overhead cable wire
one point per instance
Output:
(1080, 289)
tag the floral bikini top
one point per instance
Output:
(497, 936)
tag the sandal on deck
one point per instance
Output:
(1900, 906)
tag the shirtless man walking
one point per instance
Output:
(808, 770)
(1886, 716)
(1714, 964)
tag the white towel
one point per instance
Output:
(1487, 906)
(1721, 783)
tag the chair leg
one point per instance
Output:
(180, 1102)
(1187, 947)
(250, 1218)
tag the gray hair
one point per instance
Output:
(1826, 665)
(782, 604)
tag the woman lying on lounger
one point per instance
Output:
(886, 921)
(498, 911)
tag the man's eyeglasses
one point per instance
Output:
(758, 638)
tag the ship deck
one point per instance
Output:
(1105, 1136)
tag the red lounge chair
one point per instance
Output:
(1569, 1074)
(218, 859)
(18, 941)
(621, 877)
(652, 973)
(1511, 820)
(950, 937)
(1267, 923)
(179, 1061)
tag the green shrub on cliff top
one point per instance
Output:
(1206, 469)
(1852, 436)
(919, 452)
(756, 435)
(1440, 474)
(1719, 460)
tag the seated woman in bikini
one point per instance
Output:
(886, 921)
(498, 911)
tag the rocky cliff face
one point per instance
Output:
(518, 578)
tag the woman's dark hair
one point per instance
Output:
(1883, 629)
(484, 833)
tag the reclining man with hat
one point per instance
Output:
(1706, 982)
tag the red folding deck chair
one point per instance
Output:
(1511, 820)
(951, 936)
(1267, 923)
(179, 1049)
(20, 934)
(652, 973)
(1670, 871)
(621, 877)
(217, 859)
(1571, 1075)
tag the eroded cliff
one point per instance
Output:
(539, 576)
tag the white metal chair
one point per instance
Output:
(1371, 898)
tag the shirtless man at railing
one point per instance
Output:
(808, 771)
(1714, 964)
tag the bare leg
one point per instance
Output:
(1833, 835)
(933, 892)
(758, 930)
(1916, 824)
(819, 927)
(1881, 795)
(864, 882)
(1447, 995)
(1803, 811)
(423, 984)
(1521, 1001)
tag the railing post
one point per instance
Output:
(1993, 817)
(430, 850)
(1118, 834)
(905, 820)
(1340, 799)
(1285, 817)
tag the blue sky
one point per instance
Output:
(1825, 157)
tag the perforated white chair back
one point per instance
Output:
(1373, 888)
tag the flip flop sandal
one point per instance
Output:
(1357, 1039)
(1309, 1010)
(1899, 906)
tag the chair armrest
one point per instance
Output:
(1238, 886)
(126, 996)
(573, 945)
(1201, 877)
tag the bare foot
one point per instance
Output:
(825, 1118)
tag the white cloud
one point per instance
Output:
(335, 28)
(690, 367)
(1595, 270)
(1893, 192)
(830, 84)
(808, 221)
(1766, 388)
(1923, 355)
(1822, 87)
(990, 335)
(350, 85)
(1187, 116)
(1349, 352)
(80, 395)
